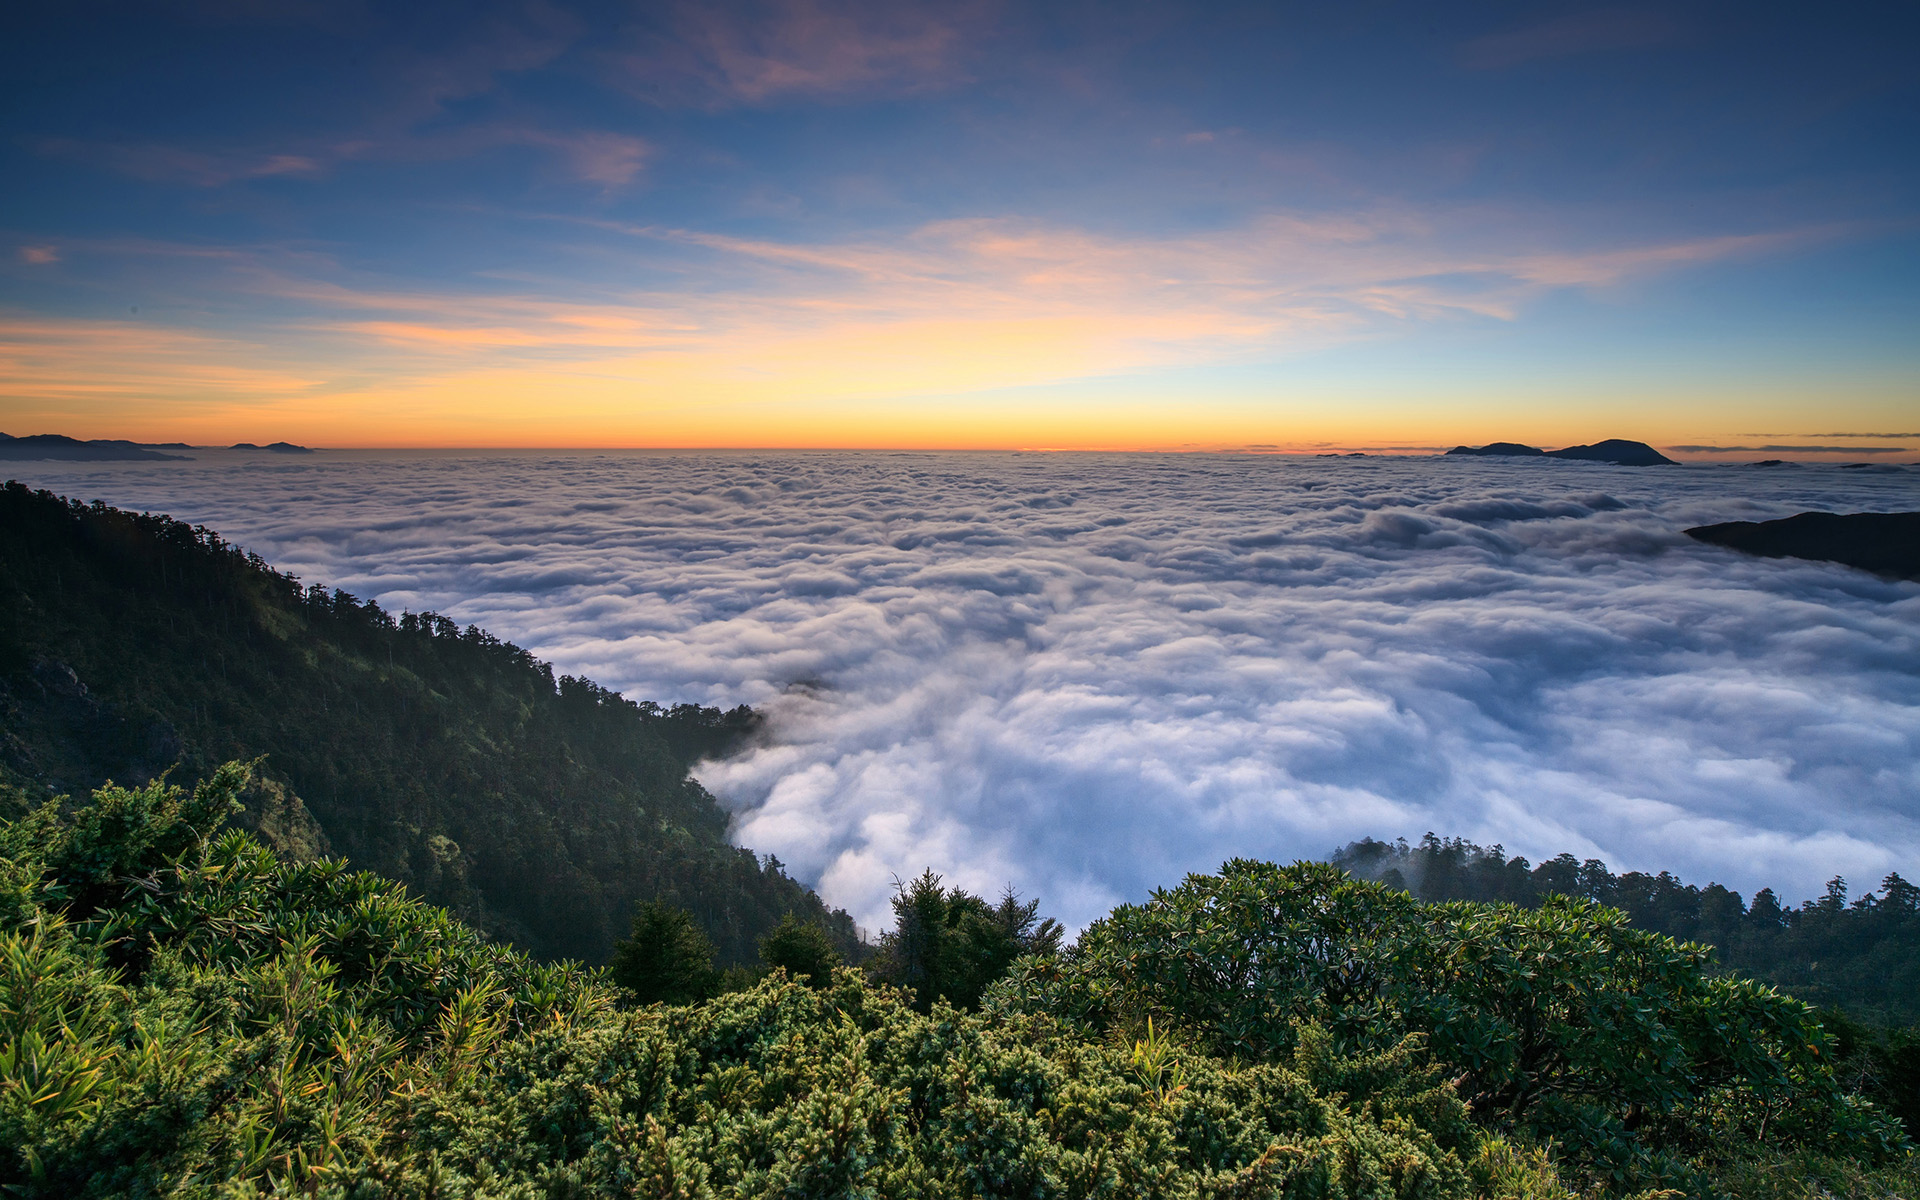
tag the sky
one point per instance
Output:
(1085, 675)
(805, 223)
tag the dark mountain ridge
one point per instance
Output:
(1884, 543)
(539, 809)
(59, 447)
(1618, 451)
(1501, 450)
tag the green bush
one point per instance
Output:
(782, 1090)
(1562, 1024)
(180, 1010)
(948, 944)
(666, 960)
(801, 949)
(184, 1014)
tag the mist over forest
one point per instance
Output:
(173, 979)
(1087, 675)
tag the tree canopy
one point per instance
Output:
(948, 944)
(538, 809)
(1563, 1022)
(182, 1012)
(1861, 955)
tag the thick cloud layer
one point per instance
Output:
(1087, 675)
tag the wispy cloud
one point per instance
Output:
(39, 256)
(596, 156)
(1603, 268)
(609, 159)
(1280, 284)
(395, 111)
(77, 367)
(509, 40)
(709, 55)
(1776, 449)
(1865, 435)
(1577, 33)
(159, 163)
(951, 308)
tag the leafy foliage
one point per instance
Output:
(666, 960)
(1859, 961)
(802, 950)
(179, 1009)
(185, 1014)
(537, 809)
(948, 944)
(1862, 956)
(1561, 1023)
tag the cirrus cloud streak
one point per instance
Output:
(946, 309)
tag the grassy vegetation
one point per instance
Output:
(184, 1013)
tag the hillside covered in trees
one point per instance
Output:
(1860, 955)
(539, 810)
(183, 1012)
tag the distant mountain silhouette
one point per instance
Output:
(275, 447)
(1614, 450)
(1507, 449)
(1884, 543)
(54, 446)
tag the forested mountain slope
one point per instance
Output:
(537, 810)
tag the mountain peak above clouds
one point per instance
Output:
(59, 447)
(1618, 451)
(1501, 449)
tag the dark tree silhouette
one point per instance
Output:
(666, 959)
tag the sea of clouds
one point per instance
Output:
(1086, 675)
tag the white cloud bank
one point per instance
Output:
(1087, 675)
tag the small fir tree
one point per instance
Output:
(802, 949)
(667, 960)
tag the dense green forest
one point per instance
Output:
(537, 810)
(1858, 962)
(184, 1012)
(1861, 956)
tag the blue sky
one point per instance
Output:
(955, 225)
